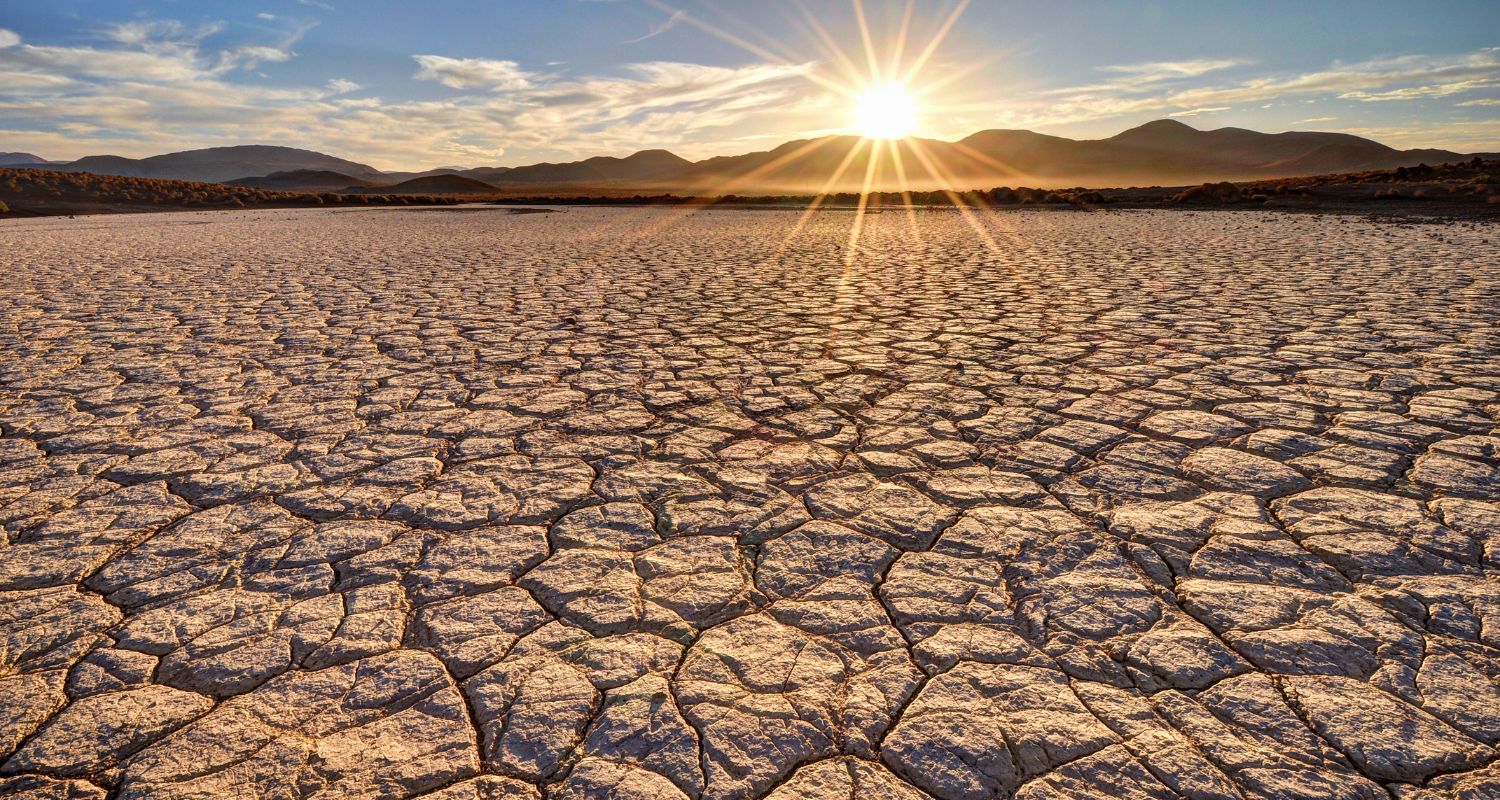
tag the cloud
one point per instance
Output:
(1163, 70)
(1193, 112)
(9, 38)
(163, 33)
(472, 73)
(1419, 92)
(316, 4)
(1163, 92)
(267, 17)
(660, 28)
(1483, 101)
(154, 87)
(1314, 119)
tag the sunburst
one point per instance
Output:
(888, 98)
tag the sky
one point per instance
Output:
(416, 85)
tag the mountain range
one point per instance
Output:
(1164, 152)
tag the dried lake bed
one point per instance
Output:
(635, 503)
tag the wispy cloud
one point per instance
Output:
(1163, 70)
(660, 28)
(1193, 112)
(1160, 87)
(472, 73)
(149, 88)
(1419, 92)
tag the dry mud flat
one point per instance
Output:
(409, 504)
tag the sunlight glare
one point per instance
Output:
(886, 111)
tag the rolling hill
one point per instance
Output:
(303, 180)
(431, 184)
(1164, 152)
(1158, 153)
(219, 164)
(21, 160)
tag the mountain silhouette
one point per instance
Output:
(219, 164)
(1163, 152)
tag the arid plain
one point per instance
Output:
(635, 503)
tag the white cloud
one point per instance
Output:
(1483, 101)
(9, 38)
(472, 73)
(1419, 92)
(267, 17)
(1193, 112)
(1162, 70)
(1390, 78)
(151, 87)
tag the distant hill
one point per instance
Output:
(303, 180)
(219, 164)
(20, 160)
(1164, 152)
(431, 184)
(647, 165)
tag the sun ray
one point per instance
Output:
(1024, 283)
(952, 75)
(898, 50)
(817, 200)
(664, 217)
(858, 225)
(937, 39)
(864, 34)
(990, 161)
(744, 44)
(844, 62)
(901, 183)
(958, 201)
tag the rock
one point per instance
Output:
(392, 724)
(898, 515)
(981, 730)
(845, 777)
(37, 787)
(1383, 736)
(597, 779)
(470, 633)
(100, 730)
(640, 725)
(1235, 471)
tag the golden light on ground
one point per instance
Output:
(886, 111)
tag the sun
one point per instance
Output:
(885, 111)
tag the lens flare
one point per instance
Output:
(886, 111)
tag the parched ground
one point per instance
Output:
(467, 505)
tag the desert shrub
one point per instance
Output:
(1222, 192)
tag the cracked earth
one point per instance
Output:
(471, 505)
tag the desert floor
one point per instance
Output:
(634, 503)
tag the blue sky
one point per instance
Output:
(413, 85)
